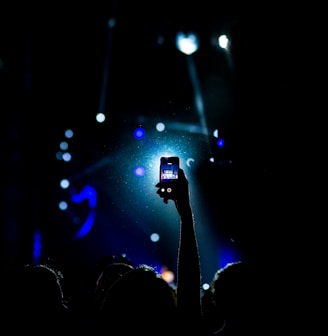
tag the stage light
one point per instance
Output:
(69, 133)
(37, 247)
(88, 193)
(63, 145)
(100, 117)
(167, 275)
(205, 286)
(67, 157)
(154, 237)
(160, 127)
(223, 41)
(220, 143)
(139, 171)
(63, 205)
(64, 183)
(139, 133)
(187, 43)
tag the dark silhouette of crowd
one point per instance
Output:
(126, 299)
(232, 305)
(34, 300)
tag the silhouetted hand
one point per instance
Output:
(177, 191)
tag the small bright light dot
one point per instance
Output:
(168, 276)
(64, 183)
(63, 205)
(69, 133)
(67, 157)
(206, 286)
(186, 43)
(139, 171)
(216, 133)
(63, 145)
(139, 133)
(223, 41)
(100, 117)
(154, 237)
(160, 127)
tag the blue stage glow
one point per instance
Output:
(220, 143)
(139, 171)
(37, 247)
(139, 133)
(87, 193)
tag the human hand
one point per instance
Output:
(178, 190)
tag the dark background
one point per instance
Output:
(247, 205)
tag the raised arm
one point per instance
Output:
(188, 263)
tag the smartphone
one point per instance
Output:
(169, 168)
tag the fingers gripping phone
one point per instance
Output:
(169, 169)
